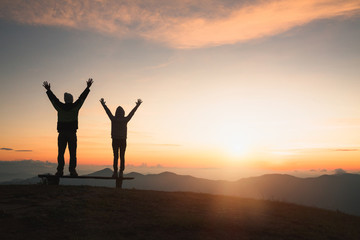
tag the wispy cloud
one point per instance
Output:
(318, 170)
(297, 151)
(178, 23)
(339, 171)
(6, 149)
(11, 149)
(346, 150)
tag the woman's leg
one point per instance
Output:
(122, 154)
(115, 147)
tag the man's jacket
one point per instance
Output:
(67, 112)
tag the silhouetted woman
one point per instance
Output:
(119, 134)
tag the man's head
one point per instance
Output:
(68, 98)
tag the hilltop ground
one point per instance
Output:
(83, 212)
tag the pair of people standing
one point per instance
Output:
(67, 126)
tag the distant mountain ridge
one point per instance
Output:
(335, 192)
(106, 172)
(20, 170)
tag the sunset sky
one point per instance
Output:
(225, 84)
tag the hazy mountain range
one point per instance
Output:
(12, 170)
(335, 192)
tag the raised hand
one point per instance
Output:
(46, 85)
(138, 102)
(89, 82)
(102, 101)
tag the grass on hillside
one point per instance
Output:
(83, 212)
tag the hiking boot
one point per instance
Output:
(121, 174)
(115, 175)
(59, 173)
(73, 173)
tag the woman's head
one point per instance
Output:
(119, 112)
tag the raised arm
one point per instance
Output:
(87, 90)
(84, 94)
(53, 99)
(131, 114)
(107, 110)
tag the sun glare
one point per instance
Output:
(233, 139)
(236, 146)
(237, 149)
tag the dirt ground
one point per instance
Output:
(83, 212)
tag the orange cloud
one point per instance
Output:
(178, 23)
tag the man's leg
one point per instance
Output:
(122, 156)
(62, 142)
(72, 139)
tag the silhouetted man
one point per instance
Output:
(67, 125)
